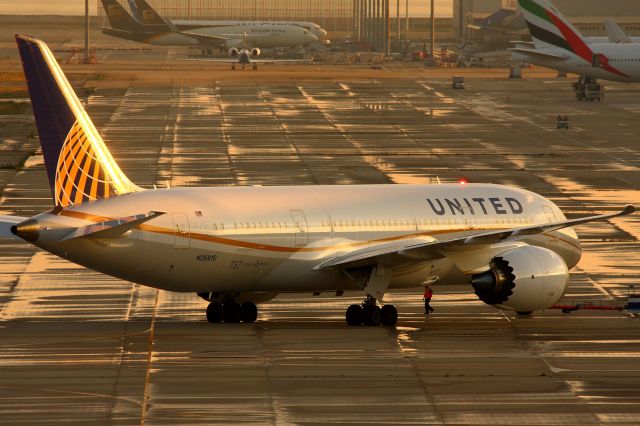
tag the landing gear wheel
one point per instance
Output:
(248, 312)
(214, 312)
(255, 67)
(389, 315)
(233, 67)
(524, 313)
(231, 312)
(355, 315)
(371, 315)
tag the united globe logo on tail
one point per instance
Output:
(79, 174)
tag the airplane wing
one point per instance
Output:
(112, 228)
(432, 249)
(205, 39)
(218, 39)
(6, 222)
(538, 53)
(252, 61)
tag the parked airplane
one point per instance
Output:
(144, 13)
(233, 245)
(559, 46)
(161, 32)
(516, 25)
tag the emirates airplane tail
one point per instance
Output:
(558, 45)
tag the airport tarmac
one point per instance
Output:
(80, 347)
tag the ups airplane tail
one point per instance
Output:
(146, 14)
(118, 17)
(135, 28)
(79, 166)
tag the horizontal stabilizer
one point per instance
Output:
(6, 222)
(112, 228)
(432, 249)
(538, 53)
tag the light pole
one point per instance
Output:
(433, 30)
(85, 59)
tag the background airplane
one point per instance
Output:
(162, 32)
(244, 57)
(237, 246)
(558, 45)
(143, 12)
(516, 25)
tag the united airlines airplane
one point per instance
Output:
(238, 246)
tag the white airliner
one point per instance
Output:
(144, 13)
(157, 31)
(559, 46)
(237, 246)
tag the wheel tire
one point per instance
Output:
(231, 312)
(524, 313)
(215, 313)
(371, 315)
(389, 315)
(355, 315)
(248, 312)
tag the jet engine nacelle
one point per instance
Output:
(255, 52)
(233, 52)
(523, 279)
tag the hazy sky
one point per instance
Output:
(76, 7)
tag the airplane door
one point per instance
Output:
(300, 228)
(182, 231)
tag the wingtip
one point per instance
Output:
(629, 208)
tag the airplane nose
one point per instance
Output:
(322, 34)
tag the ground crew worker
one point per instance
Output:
(428, 294)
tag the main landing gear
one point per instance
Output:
(232, 312)
(369, 313)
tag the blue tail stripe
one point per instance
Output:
(54, 118)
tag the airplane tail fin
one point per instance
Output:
(78, 163)
(549, 28)
(148, 14)
(118, 17)
(615, 33)
(134, 10)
